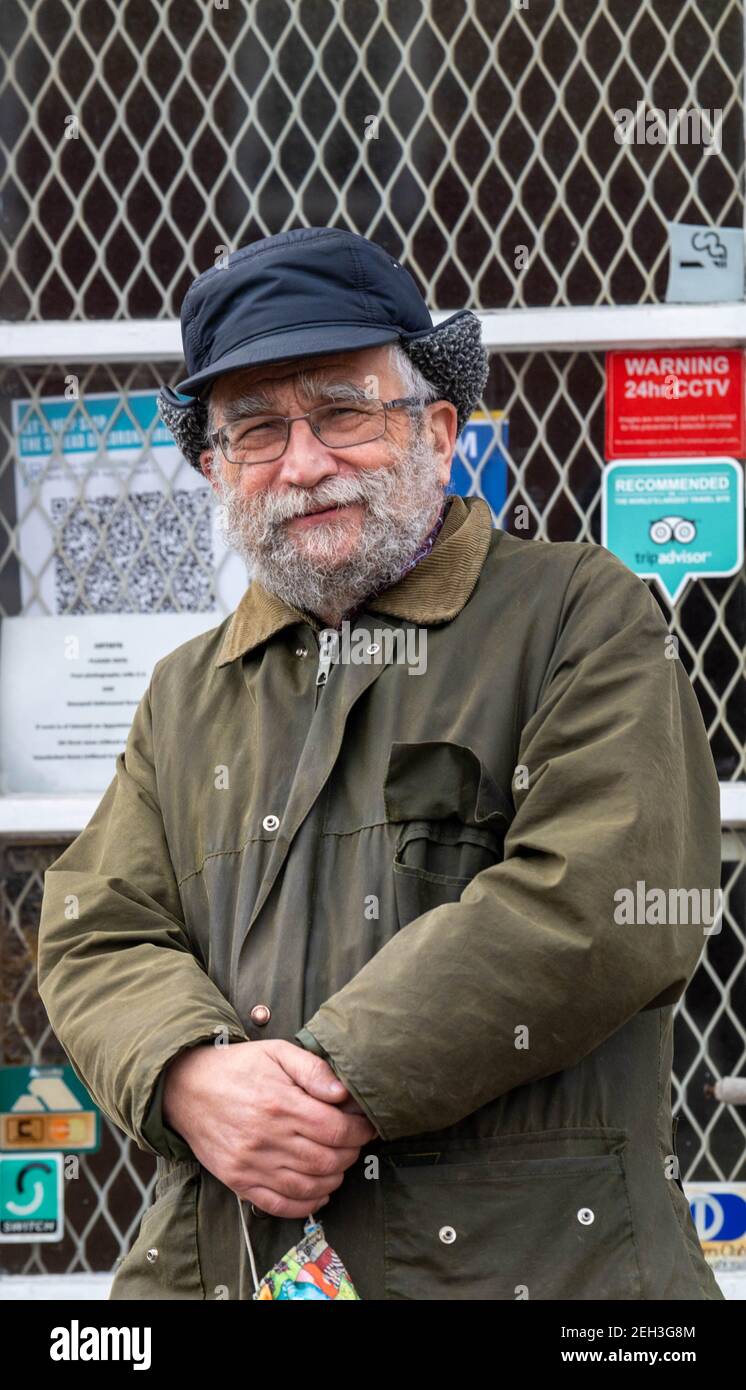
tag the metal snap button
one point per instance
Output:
(301, 651)
(586, 1216)
(373, 648)
(261, 1014)
(271, 822)
(447, 1235)
(152, 1255)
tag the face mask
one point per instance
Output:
(310, 1270)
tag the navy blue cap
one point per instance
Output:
(302, 293)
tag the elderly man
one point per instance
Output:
(345, 935)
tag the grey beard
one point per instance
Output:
(401, 504)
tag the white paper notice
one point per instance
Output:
(69, 687)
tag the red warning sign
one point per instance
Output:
(675, 403)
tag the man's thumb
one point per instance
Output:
(313, 1074)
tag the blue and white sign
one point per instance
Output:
(117, 424)
(719, 1215)
(674, 520)
(480, 466)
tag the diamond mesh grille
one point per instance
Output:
(202, 127)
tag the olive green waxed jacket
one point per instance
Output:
(413, 855)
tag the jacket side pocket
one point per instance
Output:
(548, 1228)
(164, 1262)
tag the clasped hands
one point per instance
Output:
(269, 1119)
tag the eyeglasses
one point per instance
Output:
(264, 438)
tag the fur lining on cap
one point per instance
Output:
(452, 357)
(455, 360)
(187, 422)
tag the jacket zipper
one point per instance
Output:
(322, 670)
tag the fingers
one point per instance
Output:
(339, 1132)
(301, 1187)
(291, 1186)
(315, 1098)
(311, 1072)
(327, 1125)
(304, 1156)
(276, 1205)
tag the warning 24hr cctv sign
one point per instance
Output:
(675, 403)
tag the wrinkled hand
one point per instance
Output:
(269, 1119)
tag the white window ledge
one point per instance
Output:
(24, 1288)
(565, 328)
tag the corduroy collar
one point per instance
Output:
(433, 592)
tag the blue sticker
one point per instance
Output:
(480, 467)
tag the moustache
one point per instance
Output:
(280, 510)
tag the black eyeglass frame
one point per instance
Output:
(216, 438)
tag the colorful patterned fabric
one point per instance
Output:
(310, 1270)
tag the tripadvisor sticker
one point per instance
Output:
(674, 520)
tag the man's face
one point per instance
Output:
(380, 498)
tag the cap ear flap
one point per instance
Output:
(454, 358)
(186, 420)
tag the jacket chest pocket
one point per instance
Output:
(164, 1263)
(452, 819)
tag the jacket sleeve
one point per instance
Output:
(622, 790)
(117, 975)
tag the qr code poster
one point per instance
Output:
(111, 517)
